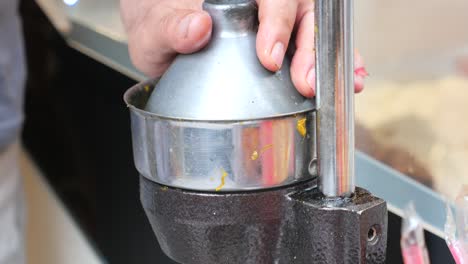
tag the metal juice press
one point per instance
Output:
(237, 167)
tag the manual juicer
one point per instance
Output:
(237, 167)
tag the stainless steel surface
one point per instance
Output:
(335, 96)
(219, 156)
(225, 81)
(218, 120)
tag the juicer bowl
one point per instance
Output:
(220, 156)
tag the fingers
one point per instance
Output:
(277, 18)
(164, 29)
(303, 63)
(360, 72)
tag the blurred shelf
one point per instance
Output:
(94, 28)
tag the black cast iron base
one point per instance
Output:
(287, 225)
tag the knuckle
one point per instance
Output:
(287, 21)
(136, 56)
(165, 24)
(146, 56)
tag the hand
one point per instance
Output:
(159, 29)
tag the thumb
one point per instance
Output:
(186, 31)
(163, 31)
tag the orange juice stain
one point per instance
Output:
(223, 180)
(256, 155)
(265, 148)
(301, 126)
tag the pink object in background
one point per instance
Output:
(456, 228)
(457, 252)
(413, 245)
(414, 255)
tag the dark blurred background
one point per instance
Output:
(77, 130)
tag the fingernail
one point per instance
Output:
(361, 72)
(184, 25)
(310, 78)
(277, 54)
(203, 40)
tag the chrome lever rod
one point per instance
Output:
(335, 96)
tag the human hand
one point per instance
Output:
(160, 29)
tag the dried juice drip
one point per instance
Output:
(301, 126)
(255, 155)
(223, 180)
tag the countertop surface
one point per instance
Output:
(52, 235)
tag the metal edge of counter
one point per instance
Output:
(398, 190)
(102, 48)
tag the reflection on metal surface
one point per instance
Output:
(70, 2)
(191, 155)
(335, 96)
(225, 80)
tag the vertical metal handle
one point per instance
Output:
(335, 96)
